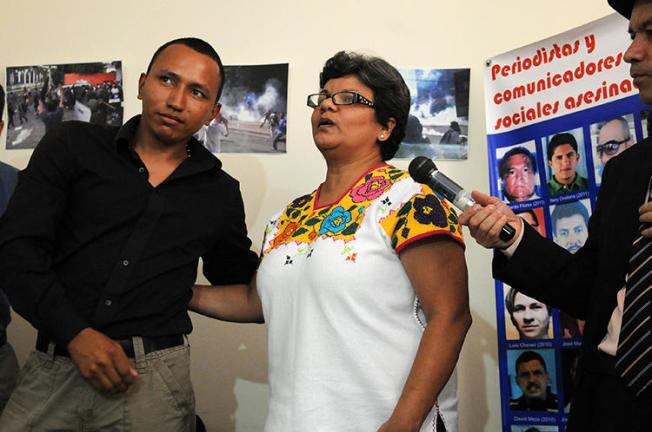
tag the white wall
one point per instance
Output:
(229, 366)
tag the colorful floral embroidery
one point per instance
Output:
(300, 222)
(287, 232)
(336, 221)
(423, 215)
(370, 190)
(428, 210)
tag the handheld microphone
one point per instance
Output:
(424, 170)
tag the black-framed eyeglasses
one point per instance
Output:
(339, 98)
(611, 147)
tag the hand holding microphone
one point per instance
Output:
(423, 170)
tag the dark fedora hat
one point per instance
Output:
(623, 7)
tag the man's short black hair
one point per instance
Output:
(201, 47)
(561, 139)
(2, 101)
(527, 356)
(623, 7)
(391, 94)
(568, 210)
(504, 167)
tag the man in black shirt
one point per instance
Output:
(99, 250)
(8, 361)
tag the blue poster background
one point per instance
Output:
(559, 351)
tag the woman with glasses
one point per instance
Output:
(362, 282)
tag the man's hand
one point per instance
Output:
(101, 361)
(645, 216)
(487, 218)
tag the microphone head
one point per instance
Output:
(420, 168)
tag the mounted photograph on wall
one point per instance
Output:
(40, 97)
(254, 109)
(439, 114)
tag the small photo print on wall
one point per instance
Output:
(253, 118)
(40, 97)
(610, 138)
(535, 218)
(525, 317)
(565, 162)
(518, 180)
(569, 224)
(438, 123)
(533, 383)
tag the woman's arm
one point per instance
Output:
(237, 303)
(437, 270)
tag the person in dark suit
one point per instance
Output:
(591, 284)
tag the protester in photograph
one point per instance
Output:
(51, 111)
(23, 106)
(533, 379)
(614, 380)
(11, 110)
(342, 279)
(517, 170)
(530, 317)
(218, 128)
(8, 361)
(279, 133)
(453, 135)
(99, 249)
(613, 138)
(563, 157)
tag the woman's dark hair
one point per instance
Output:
(391, 94)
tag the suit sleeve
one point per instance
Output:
(546, 271)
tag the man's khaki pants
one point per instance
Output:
(8, 373)
(53, 396)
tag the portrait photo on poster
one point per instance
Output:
(569, 361)
(646, 123)
(571, 328)
(532, 380)
(253, 118)
(438, 123)
(565, 162)
(42, 96)
(525, 317)
(569, 224)
(517, 172)
(609, 138)
(535, 218)
(533, 428)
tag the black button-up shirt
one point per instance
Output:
(87, 241)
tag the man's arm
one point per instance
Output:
(28, 233)
(538, 266)
(236, 303)
(28, 239)
(231, 260)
